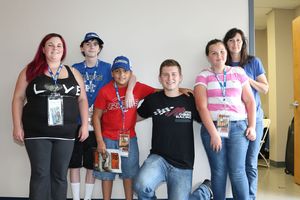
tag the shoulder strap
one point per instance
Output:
(71, 75)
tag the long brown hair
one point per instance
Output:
(245, 57)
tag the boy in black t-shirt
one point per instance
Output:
(171, 156)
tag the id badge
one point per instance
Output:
(55, 110)
(91, 109)
(223, 125)
(124, 142)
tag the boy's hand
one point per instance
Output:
(186, 91)
(129, 100)
(83, 134)
(101, 147)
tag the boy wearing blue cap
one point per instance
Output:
(114, 122)
(96, 73)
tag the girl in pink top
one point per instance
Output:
(227, 108)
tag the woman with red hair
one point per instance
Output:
(47, 100)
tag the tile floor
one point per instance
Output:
(274, 184)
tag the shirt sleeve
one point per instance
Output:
(259, 68)
(144, 109)
(144, 90)
(201, 79)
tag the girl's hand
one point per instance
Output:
(18, 135)
(216, 142)
(251, 133)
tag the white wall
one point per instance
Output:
(146, 31)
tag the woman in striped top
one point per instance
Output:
(227, 109)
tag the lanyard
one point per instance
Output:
(90, 80)
(55, 77)
(121, 105)
(222, 85)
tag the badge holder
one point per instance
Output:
(124, 141)
(55, 110)
(223, 125)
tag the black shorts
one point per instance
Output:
(82, 155)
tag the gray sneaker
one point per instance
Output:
(207, 183)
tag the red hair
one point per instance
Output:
(39, 64)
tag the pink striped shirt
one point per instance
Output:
(233, 104)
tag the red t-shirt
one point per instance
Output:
(107, 100)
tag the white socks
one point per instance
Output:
(88, 191)
(75, 191)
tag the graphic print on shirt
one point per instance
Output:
(179, 113)
(91, 81)
(53, 88)
(114, 105)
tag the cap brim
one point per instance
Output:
(118, 66)
(98, 39)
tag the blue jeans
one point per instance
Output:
(157, 170)
(251, 160)
(202, 192)
(231, 159)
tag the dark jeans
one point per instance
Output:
(49, 160)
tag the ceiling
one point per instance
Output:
(263, 7)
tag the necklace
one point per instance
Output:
(55, 76)
(90, 79)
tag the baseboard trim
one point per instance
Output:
(24, 198)
(277, 164)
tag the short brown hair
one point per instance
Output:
(169, 63)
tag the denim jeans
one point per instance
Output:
(202, 192)
(231, 159)
(157, 170)
(251, 160)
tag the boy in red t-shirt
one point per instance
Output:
(113, 121)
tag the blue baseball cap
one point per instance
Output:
(121, 62)
(90, 36)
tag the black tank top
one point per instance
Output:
(35, 112)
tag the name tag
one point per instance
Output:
(223, 125)
(124, 142)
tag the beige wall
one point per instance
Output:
(261, 51)
(274, 47)
(297, 11)
(146, 31)
(280, 79)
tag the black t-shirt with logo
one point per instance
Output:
(172, 131)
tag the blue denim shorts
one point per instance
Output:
(129, 165)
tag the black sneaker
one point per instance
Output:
(207, 183)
